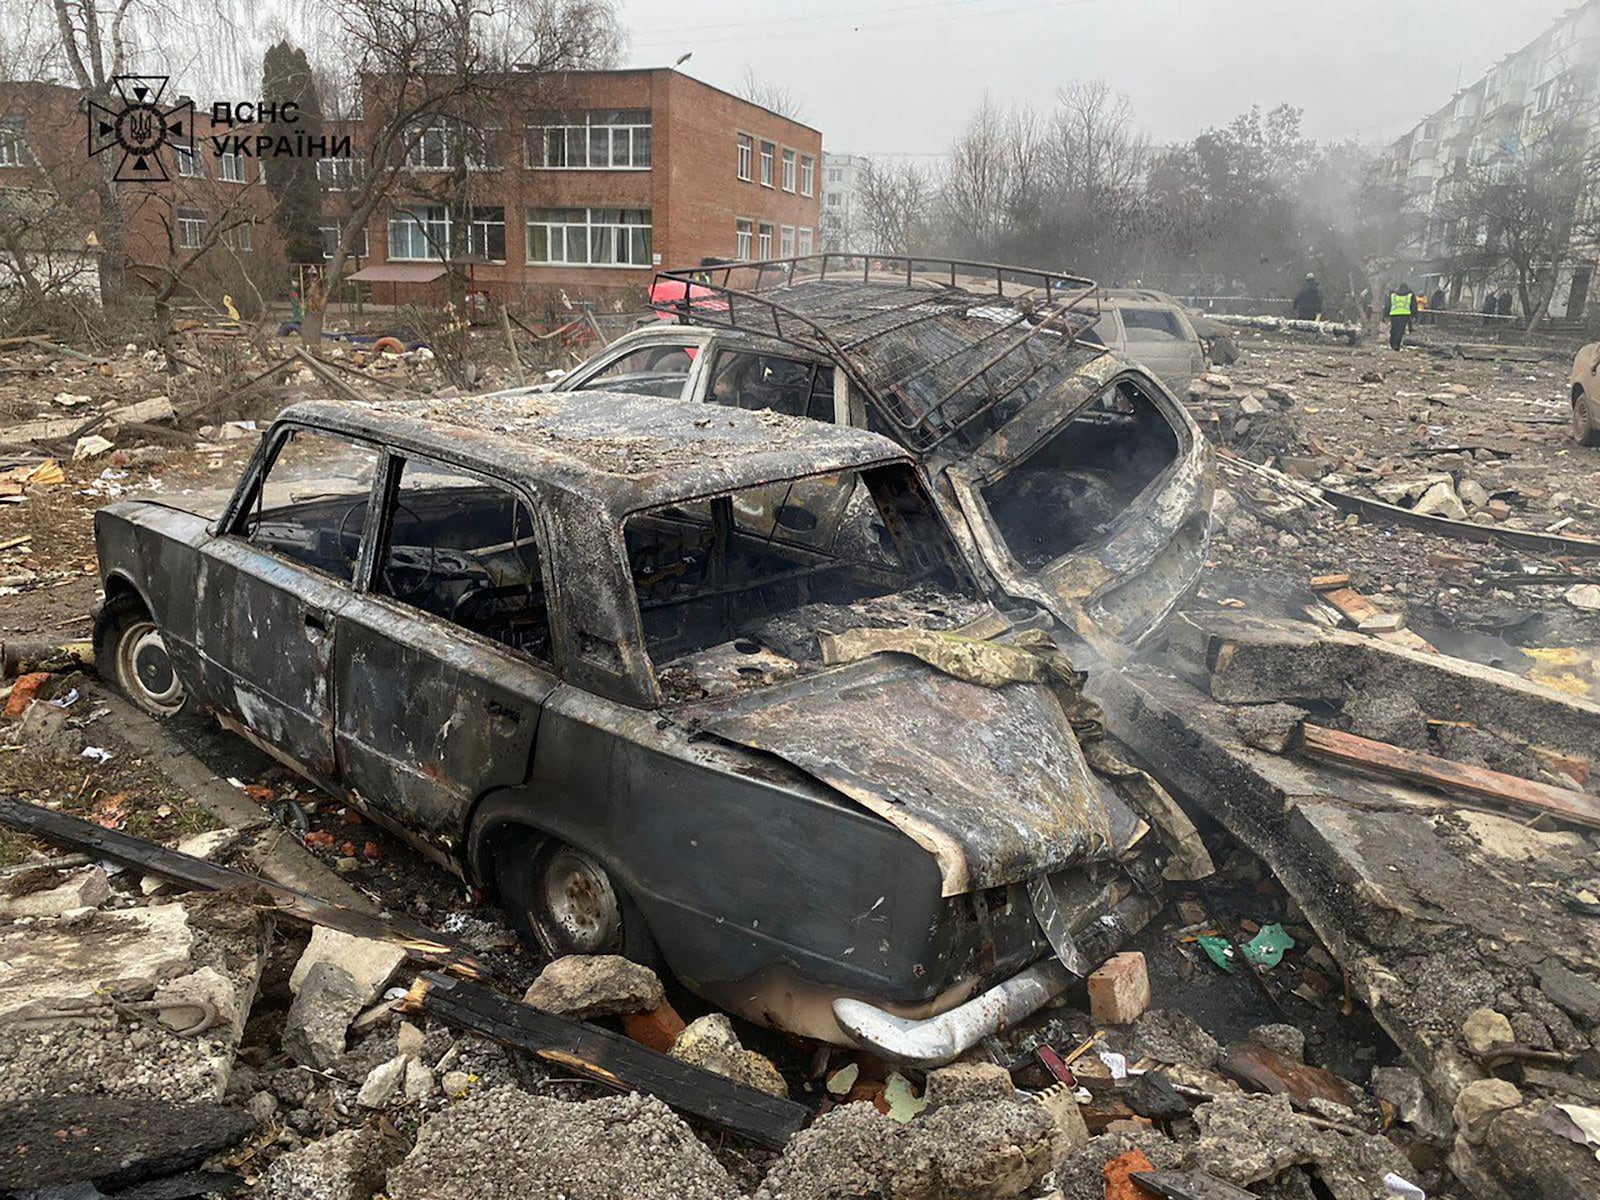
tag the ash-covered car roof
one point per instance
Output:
(623, 452)
(939, 347)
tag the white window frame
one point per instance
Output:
(808, 175)
(769, 152)
(13, 142)
(591, 233)
(744, 234)
(360, 250)
(579, 128)
(764, 234)
(786, 241)
(806, 243)
(747, 158)
(230, 168)
(433, 150)
(188, 163)
(239, 237)
(479, 225)
(191, 228)
(791, 169)
(435, 233)
(340, 173)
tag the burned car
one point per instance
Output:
(1070, 474)
(1585, 383)
(621, 662)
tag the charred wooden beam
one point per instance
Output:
(1413, 766)
(608, 1058)
(420, 943)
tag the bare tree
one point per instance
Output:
(1518, 212)
(438, 69)
(775, 97)
(993, 164)
(894, 206)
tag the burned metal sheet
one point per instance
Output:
(990, 781)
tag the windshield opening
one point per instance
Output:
(734, 591)
(1070, 490)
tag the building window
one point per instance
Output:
(743, 234)
(188, 165)
(238, 238)
(788, 170)
(596, 237)
(419, 234)
(486, 235)
(338, 174)
(191, 228)
(768, 151)
(786, 242)
(835, 199)
(764, 243)
(590, 140)
(330, 241)
(835, 174)
(808, 174)
(13, 147)
(805, 242)
(435, 148)
(747, 151)
(232, 168)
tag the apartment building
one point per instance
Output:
(583, 181)
(841, 182)
(1484, 126)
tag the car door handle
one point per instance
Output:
(503, 712)
(316, 624)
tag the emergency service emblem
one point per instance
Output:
(140, 128)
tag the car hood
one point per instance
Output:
(990, 781)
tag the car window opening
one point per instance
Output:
(769, 568)
(1069, 491)
(311, 506)
(790, 386)
(466, 551)
(648, 371)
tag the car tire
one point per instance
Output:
(561, 900)
(1585, 421)
(130, 652)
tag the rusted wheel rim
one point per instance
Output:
(582, 903)
(144, 669)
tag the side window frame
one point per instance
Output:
(248, 491)
(391, 471)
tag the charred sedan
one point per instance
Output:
(1071, 475)
(579, 652)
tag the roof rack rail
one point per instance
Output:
(934, 344)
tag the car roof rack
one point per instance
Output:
(936, 345)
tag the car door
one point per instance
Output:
(444, 657)
(653, 365)
(270, 588)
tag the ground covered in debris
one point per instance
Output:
(1382, 992)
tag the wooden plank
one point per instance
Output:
(1332, 745)
(420, 943)
(607, 1057)
(1357, 609)
(1323, 583)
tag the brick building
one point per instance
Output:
(586, 182)
(593, 179)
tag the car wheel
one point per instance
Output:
(1585, 428)
(563, 901)
(130, 650)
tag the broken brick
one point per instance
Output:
(24, 692)
(1118, 1174)
(1119, 990)
(657, 1029)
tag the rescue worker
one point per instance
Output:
(1308, 300)
(1402, 307)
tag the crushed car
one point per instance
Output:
(1585, 382)
(623, 663)
(1070, 475)
(1153, 330)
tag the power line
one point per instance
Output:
(850, 24)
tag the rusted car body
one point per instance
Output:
(576, 649)
(1585, 384)
(1071, 476)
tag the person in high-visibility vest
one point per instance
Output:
(1402, 307)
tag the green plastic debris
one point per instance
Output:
(903, 1102)
(842, 1080)
(1267, 947)
(1219, 950)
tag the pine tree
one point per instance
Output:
(286, 77)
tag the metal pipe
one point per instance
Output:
(940, 1039)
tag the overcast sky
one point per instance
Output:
(894, 76)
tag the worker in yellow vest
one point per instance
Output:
(1402, 307)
